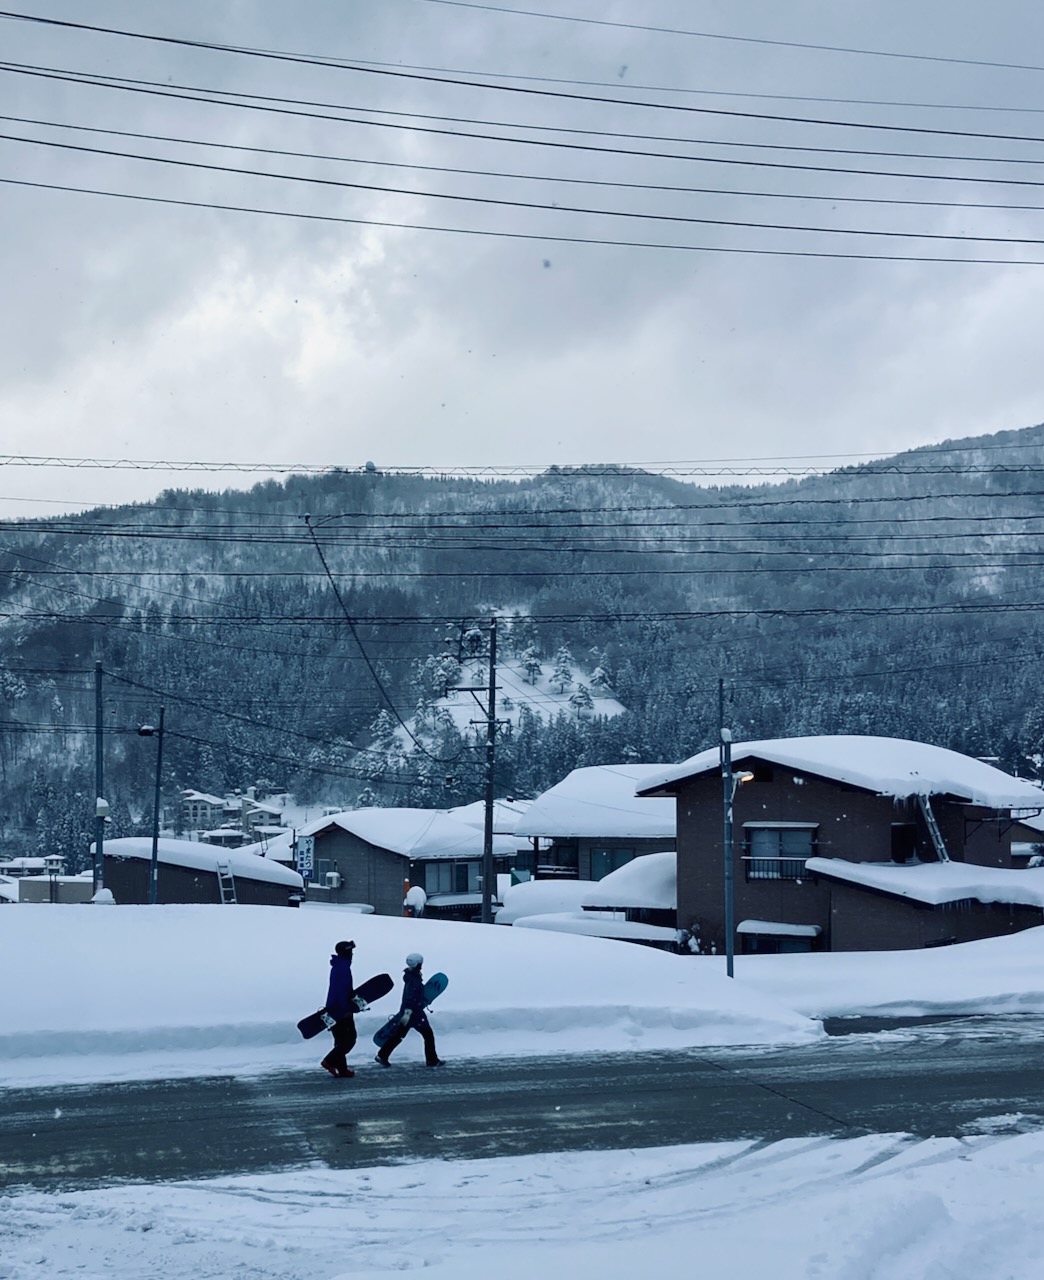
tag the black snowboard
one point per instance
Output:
(368, 991)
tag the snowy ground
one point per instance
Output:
(136, 992)
(124, 991)
(883, 1207)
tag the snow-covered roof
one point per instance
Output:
(650, 881)
(594, 926)
(414, 833)
(9, 890)
(23, 864)
(778, 929)
(261, 806)
(204, 857)
(598, 801)
(885, 766)
(202, 795)
(279, 846)
(539, 897)
(934, 883)
(506, 814)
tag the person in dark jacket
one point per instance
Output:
(340, 1004)
(412, 1015)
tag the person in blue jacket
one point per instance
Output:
(412, 1015)
(340, 1004)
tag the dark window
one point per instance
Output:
(460, 877)
(762, 772)
(904, 841)
(777, 853)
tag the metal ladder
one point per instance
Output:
(933, 829)
(226, 883)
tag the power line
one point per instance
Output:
(257, 102)
(401, 73)
(527, 205)
(613, 184)
(378, 682)
(899, 465)
(523, 235)
(757, 40)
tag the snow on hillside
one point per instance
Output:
(544, 697)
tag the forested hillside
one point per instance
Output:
(291, 629)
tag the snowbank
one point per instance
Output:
(649, 881)
(156, 982)
(540, 897)
(997, 975)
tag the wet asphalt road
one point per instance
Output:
(931, 1079)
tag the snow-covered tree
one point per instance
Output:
(562, 673)
(581, 701)
(531, 668)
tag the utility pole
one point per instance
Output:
(728, 792)
(490, 721)
(147, 731)
(100, 806)
(491, 750)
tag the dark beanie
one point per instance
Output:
(344, 949)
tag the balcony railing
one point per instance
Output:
(780, 868)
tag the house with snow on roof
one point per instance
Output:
(592, 823)
(851, 843)
(191, 871)
(372, 856)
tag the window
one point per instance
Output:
(605, 860)
(451, 877)
(437, 877)
(777, 852)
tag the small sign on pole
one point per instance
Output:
(306, 856)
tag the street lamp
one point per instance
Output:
(148, 731)
(729, 782)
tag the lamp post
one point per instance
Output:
(148, 731)
(729, 782)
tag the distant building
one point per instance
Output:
(190, 871)
(199, 811)
(371, 855)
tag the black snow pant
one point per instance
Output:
(418, 1022)
(344, 1038)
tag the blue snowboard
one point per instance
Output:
(435, 986)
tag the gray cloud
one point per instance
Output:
(149, 331)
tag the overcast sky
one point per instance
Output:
(151, 331)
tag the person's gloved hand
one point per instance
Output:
(404, 1019)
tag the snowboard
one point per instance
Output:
(368, 991)
(435, 986)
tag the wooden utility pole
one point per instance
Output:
(488, 873)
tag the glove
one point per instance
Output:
(404, 1018)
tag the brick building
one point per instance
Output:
(851, 843)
